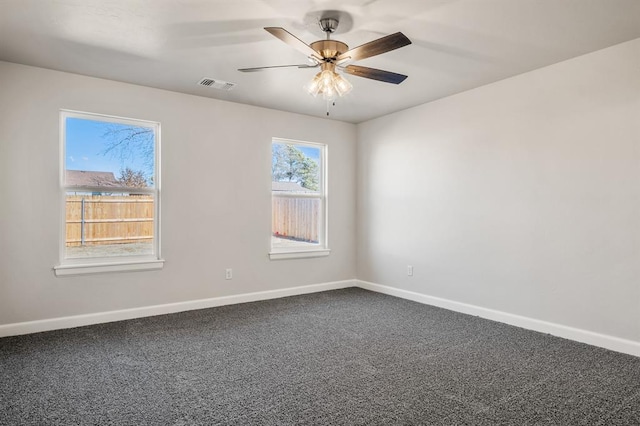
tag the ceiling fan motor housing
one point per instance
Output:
(329, 49)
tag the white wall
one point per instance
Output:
(522, 196)
(215, 202)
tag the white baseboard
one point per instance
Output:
(170, 308)
(596, 339)
(602, 340)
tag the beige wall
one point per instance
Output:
(215, 201)
(522, 196)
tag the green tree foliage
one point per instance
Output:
(289, 164)
(132, 178)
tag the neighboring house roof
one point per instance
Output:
(86, 178)
(288, 187)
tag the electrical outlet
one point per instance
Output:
(228, 274)
(410, 270)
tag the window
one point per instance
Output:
(298, 200)
(110, 194)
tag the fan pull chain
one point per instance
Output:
(333, 103)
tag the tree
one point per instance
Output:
(290, 164)
(131, 143)
(132, 179)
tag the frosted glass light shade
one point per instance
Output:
(330, 84)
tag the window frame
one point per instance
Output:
(90, 265)
(322, 248)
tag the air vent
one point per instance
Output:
(217, 84)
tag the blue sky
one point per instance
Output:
(310, 152)
(85, 146)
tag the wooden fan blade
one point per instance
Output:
(375, 47)
(277, 66)
(294, 42)
(375, 74)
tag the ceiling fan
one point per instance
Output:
(330, 55)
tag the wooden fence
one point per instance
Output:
(296, 218)
(104, 219)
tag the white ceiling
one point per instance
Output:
(173, 44)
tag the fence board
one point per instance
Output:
(109, 219)
(296, 218)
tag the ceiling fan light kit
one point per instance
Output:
(331, 54)
(328, 83)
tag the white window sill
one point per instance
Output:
(277, 255)
(97, 268)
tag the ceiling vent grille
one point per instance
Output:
(216, 84)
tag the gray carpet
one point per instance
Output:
(345, 357)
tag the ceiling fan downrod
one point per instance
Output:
(328, 25)
(327, 48)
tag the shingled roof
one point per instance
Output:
(87, 178)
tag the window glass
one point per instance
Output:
(110, 187)
(298, 198)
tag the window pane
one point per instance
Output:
(105, 225)
(295, 222)
(110, 187)
(297, 196)
(295, 168)
(107, 154)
